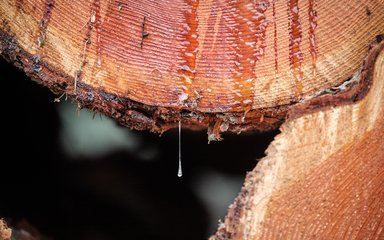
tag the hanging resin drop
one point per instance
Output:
(180, 170)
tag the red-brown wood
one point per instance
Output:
(323, 175)
(150, 63)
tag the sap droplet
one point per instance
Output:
(180, 170)
(182, 98)
(247, 101)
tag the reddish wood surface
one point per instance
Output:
(225, 65)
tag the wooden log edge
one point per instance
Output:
(322, 176)
(133, 114)
(130, 113)
(5, 232)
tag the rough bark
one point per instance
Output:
(221, 65)
(323, 175)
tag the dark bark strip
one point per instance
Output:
(275, 37)
(312, 14)
(48, 7)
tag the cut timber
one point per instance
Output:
(5, 232)
(323, 175)
(226, 65)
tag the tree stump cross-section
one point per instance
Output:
(221, 65)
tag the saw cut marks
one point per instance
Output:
(207, 57)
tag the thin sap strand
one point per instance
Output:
(180, 171)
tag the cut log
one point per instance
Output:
(225, 65)
(5, 232)
(233, 66)
(323, 175)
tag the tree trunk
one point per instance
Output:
(323, 175)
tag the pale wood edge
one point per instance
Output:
(306, 144)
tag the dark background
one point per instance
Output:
(120, 194)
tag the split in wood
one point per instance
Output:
(144, 34)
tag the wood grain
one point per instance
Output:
(323, 175)
(208, 58)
